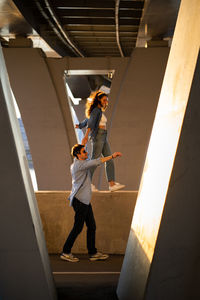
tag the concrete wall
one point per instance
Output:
(113, 213)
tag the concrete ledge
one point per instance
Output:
(113, 213)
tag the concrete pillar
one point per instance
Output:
(56, 69)
(39, 104)
(24, 264)
(175, 271)
(134, 97)
(157, 266)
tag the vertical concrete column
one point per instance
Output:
(134, 98)
(142, 260)
(24, 265)
(175, 270)
(56, 69)
(39, 103)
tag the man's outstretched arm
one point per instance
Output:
(114, 155)
(87, 164)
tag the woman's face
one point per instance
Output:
(104, 102)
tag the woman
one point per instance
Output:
(96, 128)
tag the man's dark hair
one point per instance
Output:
(76, 149)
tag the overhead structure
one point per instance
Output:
(85, 28)
(88, 28)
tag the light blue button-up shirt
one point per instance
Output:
(81, 179)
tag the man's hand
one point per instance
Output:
(76, 126)
(84, 140)
(116, 154)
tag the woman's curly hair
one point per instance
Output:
(90, 105)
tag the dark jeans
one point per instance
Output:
(83, 213)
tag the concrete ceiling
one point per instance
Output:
(88, 28)
(158, 21)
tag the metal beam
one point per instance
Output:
(87, 4)
(93, 13)
(101, 34)
(104, 39)
(90, 27)
(109, 52)
(101, 47)
(87, 21)
(99, 42)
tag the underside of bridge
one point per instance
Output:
(144, 56)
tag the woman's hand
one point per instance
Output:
(85, 139)
(116, 154)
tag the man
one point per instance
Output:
(80, 200)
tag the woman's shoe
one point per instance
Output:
(93, 188)
(117, 186)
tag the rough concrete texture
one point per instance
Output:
(175, 271)
(113, 213)
(24, 263)
(38, 102)
(133, 99)
(169, 233)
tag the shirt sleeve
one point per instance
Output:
(87, 164)
(94, 116)
(83, 123)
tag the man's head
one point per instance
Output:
(79, 152)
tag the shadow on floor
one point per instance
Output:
(86, 280)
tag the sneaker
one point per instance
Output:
(69, 257)
(93, 188)
(98, 256)
(117, 186)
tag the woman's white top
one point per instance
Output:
(103, 120)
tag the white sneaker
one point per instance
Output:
(69, 257)
(98, 256)
(117, 186)
(93, 188)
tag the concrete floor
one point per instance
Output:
(86, 280)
